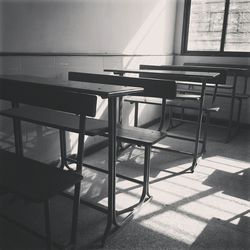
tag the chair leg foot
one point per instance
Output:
(193, 167)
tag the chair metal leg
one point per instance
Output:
(47, 225)
(145, 196)
(230, 121)
(18, 136)
(170, 122)
(120, 121)
(146, 173)
(182, 113)
(204, 143)
(120, 109)
(62, 148)
(136, 114)
(17, 132)
(73, 237)
(163, 114)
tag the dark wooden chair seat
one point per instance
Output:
(157, 101)
(143, 99)
(140, 136)
(219, 94)
(56, 119)
(192, 105)
(70, 122)
(33, 180)
(208, 85)
(182, 102)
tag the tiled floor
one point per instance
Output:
(209, 209)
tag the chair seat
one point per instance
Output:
(140, 136)
(218, 94)
(180, 102)
(158, 101)
(191, 105)
(144, 99)
(69, 122)
(33, 180)
(56, 119)
(209, 85)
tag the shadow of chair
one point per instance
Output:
(219, 234)
(233, 184)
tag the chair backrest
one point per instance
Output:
(193, 68)
(152, 87)
(47, 96)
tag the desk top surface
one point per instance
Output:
(231, 68)
(180, 75)
(200, 67)
(103, 90)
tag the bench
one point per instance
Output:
(175, 103)
(214, 87)
(35, 181)
(58, 120)
(68, 122)
(230, 91)
(177, 72)
(192, 89)
(189, 104)
(154, 88)
(158, 72)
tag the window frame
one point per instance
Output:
(185, 32)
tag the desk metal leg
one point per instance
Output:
(74, 225)
(239, 114)
(204, 142)
(17, 132)
(47, 225)
(111, 166)
(112, 223)
(112, 215)
(146, 174)
(198, 132)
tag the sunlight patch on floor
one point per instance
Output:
(176, 225)
(224, 163)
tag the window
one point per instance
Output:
(216, 27)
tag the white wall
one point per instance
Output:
(106, 33)
(180, 59)
(88, 26)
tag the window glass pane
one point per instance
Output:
(238, 27)
(205, 25)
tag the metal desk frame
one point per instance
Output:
(179, 75)
(111, 93)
